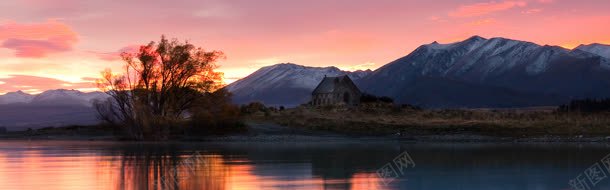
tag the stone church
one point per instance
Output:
(339, 90)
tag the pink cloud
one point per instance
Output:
(111, 56)
(437, 19)
(37, 39)
(33, 48)
(479, 9)
(531, 11)
(488, 21)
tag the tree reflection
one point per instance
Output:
(154, 169)
(246, 167)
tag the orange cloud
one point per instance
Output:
(34, 83)
(37, 39)
(479, 9)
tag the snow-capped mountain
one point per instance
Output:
(476, 72)
(19, 110)
(284, 84)
(494, 72)
(16, 97)
(62, 96)
(53, 97)
(598, 49)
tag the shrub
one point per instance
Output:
(253, 107)
(215, 114)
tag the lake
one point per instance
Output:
(340, 165)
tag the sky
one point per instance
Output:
(66, 43)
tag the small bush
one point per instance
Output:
(253, 107)
(216, 115)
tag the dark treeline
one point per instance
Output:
(369, 98)
(586, 105)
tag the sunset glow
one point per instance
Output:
(75, 172)
(66, 43)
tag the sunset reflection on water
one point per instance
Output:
(351, 165)
(101, 166)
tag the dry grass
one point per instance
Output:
(380, 120)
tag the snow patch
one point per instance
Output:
(598, 49)
(539, 64)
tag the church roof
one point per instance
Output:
(329, 84)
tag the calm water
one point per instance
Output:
(103, 165)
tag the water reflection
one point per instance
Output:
(247, 167)
(104, 165)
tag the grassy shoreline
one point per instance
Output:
(377, 123)
(387, 120)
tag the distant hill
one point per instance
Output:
(476, 72)
(19, 110)
(53, 97)
(16, 97)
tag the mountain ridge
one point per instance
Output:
(53, 97)
(284, 83)
(596, 48)
(15, 97)
(59, 107)
(502, 69)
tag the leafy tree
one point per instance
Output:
(158, 86)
